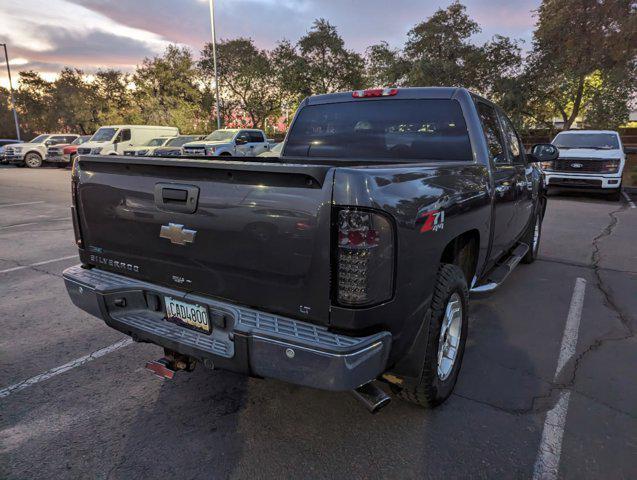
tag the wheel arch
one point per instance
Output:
(463, 251)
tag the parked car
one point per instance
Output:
(154, 144)
(64, 154)
(174, 148)
(275, 151)
(229, 142)
(590, 160)
(3, 143)
(31, 154)
(114, 139)
(402, 202)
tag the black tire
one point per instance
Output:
(531, 240)
(225, 154)
(33, 160)
(432, 389)
(20, 165)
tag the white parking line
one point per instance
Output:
(5, 392)
(20, 204)
(630, 202)
(547, 463)
(37, 264)
(34, 223)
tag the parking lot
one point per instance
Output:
(516, 409)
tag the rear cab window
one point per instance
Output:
(423, 129)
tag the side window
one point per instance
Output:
(243, 135)
(256, 137)
(57, 140)
(70, 139)
(489, 121)
(514, 146)
(124, 135)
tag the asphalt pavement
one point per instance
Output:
(548, 387)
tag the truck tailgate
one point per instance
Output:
(252, 233)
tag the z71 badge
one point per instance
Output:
(434, 221)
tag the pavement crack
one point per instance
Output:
(605, 404)
(609, 300)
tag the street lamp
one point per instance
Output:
(15, 114)
(214, 60)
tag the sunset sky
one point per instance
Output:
(45, 35)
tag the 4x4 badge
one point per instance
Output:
(434, 221)
(177, 234)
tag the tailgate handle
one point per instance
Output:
(174, 197)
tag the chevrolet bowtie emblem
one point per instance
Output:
(177, 234)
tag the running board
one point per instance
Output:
(500, 272)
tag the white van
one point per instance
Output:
(114, 139)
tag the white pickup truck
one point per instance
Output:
(589, 159)
(229, 142)
(32, 154)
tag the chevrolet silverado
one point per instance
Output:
(346, 260)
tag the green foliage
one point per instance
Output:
(329, 66)
(7, 125)
(166, 90)
(583, 63)
(247, 78)
(576, 39)
(385, 66)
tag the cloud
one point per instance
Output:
(115, 33)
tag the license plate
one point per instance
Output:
(188, 314)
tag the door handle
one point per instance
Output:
(174, 197)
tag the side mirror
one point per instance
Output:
(48, 143)
(240, 141)
(544, 152)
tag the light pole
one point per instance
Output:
(15, 114)
(214, 60)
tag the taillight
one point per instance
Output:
(77, 230)
(364, 257)
(375, 92)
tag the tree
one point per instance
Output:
(73, 99)
(7, 126)
(385, 66)
(167, 90)
(114, 98)
(576, 40)
(33, 102)
(329, 66)
(440, 52)
(246, 78)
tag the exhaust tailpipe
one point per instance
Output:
(371, 396)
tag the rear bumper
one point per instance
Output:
(566, 180)
(243, 340)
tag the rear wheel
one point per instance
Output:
(33, 160)
(448, 326)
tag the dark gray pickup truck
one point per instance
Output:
(348, 260)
